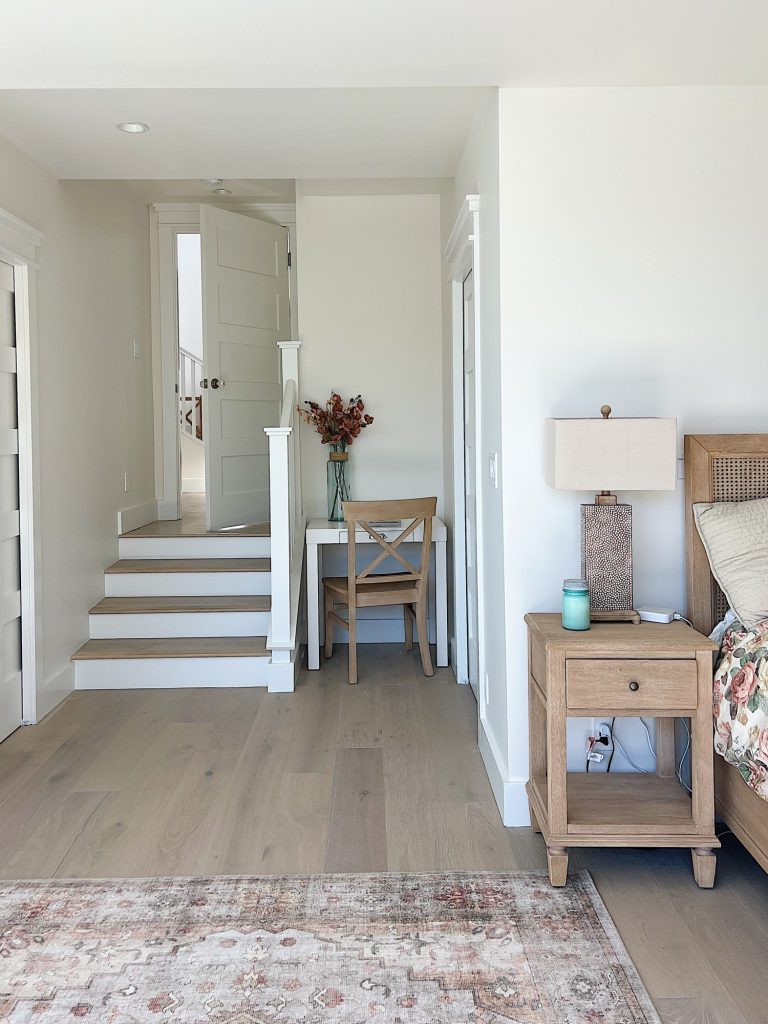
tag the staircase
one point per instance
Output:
(188, 607)
(181, 610)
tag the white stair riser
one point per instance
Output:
(170, 673)
(170, 624)
(194, 547)
(186, 584)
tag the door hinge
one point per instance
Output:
(290, 258)
(177, 388)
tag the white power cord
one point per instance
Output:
(648, 737)
(627, 758)
(680, 778)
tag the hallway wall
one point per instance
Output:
(95, 398)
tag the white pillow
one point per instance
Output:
(735, 537)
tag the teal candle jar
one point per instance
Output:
(575, 604)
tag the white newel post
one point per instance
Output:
(286, 521)
(289, 360)
(289, 357)
(280, 530)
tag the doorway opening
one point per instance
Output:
(225, 281)
(189, 320)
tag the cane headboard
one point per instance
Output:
(718, 467)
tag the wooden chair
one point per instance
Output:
(367, 589)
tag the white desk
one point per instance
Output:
(322, 531)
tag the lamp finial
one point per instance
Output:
(606, 411)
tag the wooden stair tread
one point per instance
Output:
(190, 565)
(174, 647)
(160, 605)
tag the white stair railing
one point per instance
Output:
(190, 394)
(287, 523)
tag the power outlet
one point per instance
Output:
(602, 732)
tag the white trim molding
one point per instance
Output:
(19, 244)
(509, 794)
(462, 254)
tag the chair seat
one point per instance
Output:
(372, 594)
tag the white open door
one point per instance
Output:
(245, 312)
(10, 554)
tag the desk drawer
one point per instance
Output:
(624, 684)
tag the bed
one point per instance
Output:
(724, 468)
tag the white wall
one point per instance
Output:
(95, 399)
(370, 321)
(634, 248)
(478, 173)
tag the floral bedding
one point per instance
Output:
(741, 703)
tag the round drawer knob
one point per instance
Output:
(634, 686)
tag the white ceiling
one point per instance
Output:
(357, 43)
(236, 133)
(329, 88)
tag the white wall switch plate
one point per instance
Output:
(493, 469)
(125, 482)
(136, 349)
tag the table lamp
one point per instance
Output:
(607, 455)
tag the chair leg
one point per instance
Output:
(421, 626)
(330, 604)
(352, 646)
(408, 626)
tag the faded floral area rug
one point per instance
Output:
(329, 949)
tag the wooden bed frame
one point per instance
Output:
(724, 467)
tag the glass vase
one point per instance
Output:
(338, 485)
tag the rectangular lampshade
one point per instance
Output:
(612, 454)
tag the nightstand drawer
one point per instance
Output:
(623, 684)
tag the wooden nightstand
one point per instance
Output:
(658, 671)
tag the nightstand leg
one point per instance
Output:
(535, 827)
(557, 864)
(704, 864)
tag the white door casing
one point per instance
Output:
(245, 277)
(470, 481)
(10, 519)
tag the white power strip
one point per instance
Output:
(656, 614)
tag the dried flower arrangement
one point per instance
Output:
(337, 424)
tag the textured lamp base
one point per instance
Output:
(606, 560)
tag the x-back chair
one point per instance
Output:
(366, 588)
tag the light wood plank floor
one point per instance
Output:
(382, 776)
(192, 524)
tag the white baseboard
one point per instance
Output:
(52, 693)
(509, 794)
(138, 515)
(193, 485)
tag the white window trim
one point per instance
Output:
(462, 254)
(19, 245)
(168, 220)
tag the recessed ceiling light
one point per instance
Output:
(222, 191)
(132, 127)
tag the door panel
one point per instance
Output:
(10, 554)
(245, 313)
(470, 479)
